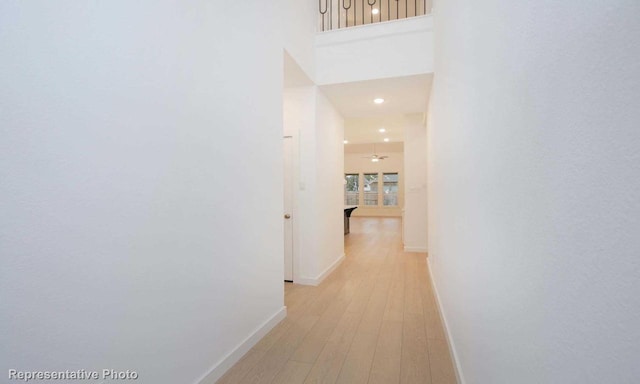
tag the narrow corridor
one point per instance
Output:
(374, 320)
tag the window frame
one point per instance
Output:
(380, 193)
(358, 184)
(396, 193)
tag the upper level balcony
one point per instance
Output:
(360, 40)
(337, 14)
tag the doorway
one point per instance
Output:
(288, 208)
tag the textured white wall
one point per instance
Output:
(299, 20)
(329, 184)
(299, 122)
(414, 224)
(534, 188)
(141, 205)
(391, 49)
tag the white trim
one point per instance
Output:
(415, 249)
(452, 350)
(317, 280)
(375, 30)
(222, 366)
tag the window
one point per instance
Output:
(390, 189)
(370, 189)
(351, 189)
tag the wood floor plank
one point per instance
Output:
(329, 363)
(357, 363)
(315, 340)
(395, 302)
(433, 325)
(386, 362)
(373, 320)
(414, 367)
(440, 361)
(265, 370)
(374, 311)
(242, 367)
(275, 334)
(294, 372)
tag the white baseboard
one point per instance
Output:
(454, 355)
(415, 249)
(317, 280)
(222, 366)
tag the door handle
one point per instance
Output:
(287, 216)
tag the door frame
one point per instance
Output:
(292, 208)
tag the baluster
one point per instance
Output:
(330, 15)
(322, 12)
(346, 17)
(326, 9)
(355, 12)
(370, 10)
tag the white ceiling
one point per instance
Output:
(402, 95)
(366, 129)
(380, 148)
(363, 118)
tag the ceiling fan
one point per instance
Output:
(374, 157)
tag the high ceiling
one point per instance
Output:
(367, 129)
(368, 148)
(364, 118)
(409, 94)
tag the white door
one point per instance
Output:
(288, 208)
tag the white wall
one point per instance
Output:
(534, 194)
(414, 223)
(329, 184)
(318, 130)
(391, 49)
(299, 20)
(299, 122)
(141, 205)
(356, 163)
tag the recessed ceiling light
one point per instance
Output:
(386, 139)
(375, 11)
(346, 141)
(378, 101)
(382, 130)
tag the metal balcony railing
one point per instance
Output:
(336, 14)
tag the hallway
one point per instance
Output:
(373, 320)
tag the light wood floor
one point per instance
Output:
(373, 320)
